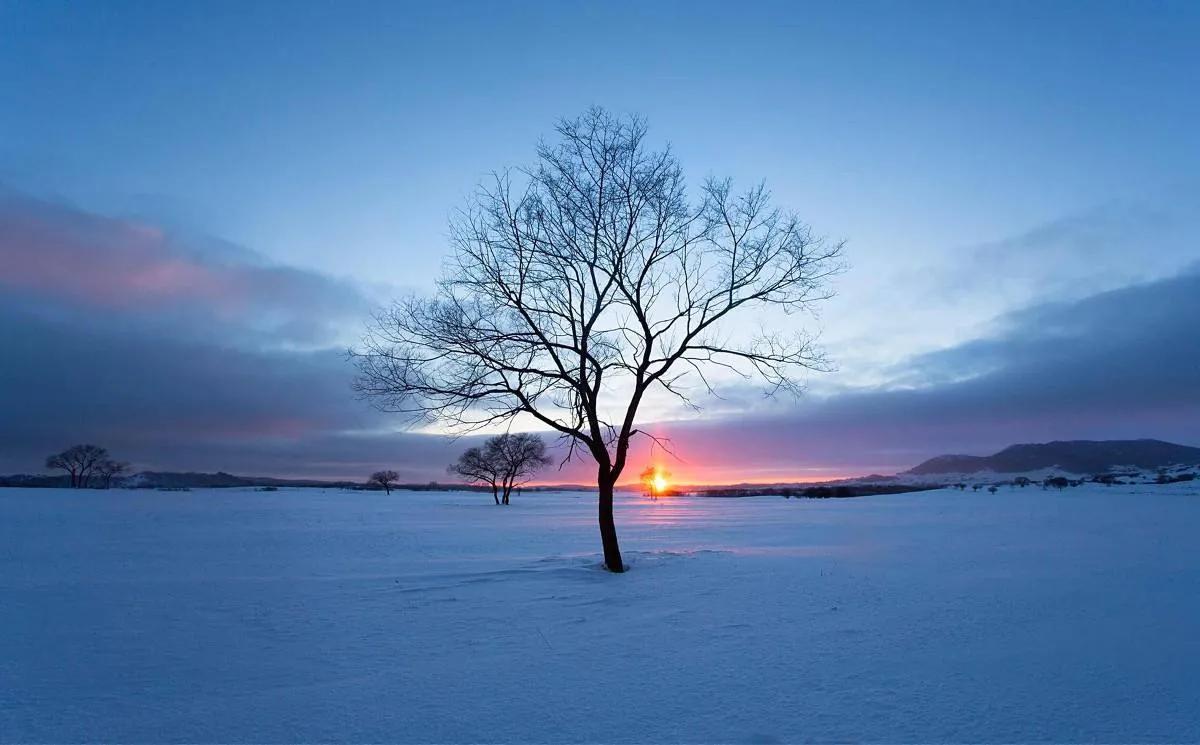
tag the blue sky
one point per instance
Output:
(981, 159)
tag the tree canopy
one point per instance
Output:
(503, 463)
(582, 284)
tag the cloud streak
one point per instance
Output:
(126, 271)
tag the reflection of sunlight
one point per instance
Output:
(745, 527)
(663, 512)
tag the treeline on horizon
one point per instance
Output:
(840, 491)
(506, 462)
(222, 480)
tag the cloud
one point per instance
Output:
(1105, 247)
(1122, 363)
(1120, 350)
(901, 305)
(64, 260)
(196, 355)
(163, 347)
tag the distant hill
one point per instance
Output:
(1074, 456)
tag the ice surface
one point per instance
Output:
(305, 615)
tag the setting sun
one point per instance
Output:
(655, 481)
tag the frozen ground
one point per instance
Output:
(308, 615)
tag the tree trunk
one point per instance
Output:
(608, 529)
(496, 494)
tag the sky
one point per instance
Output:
(201, 204)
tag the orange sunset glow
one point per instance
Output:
(655, 480)
(685, 476)
(698, 465)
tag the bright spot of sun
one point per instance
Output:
(655, 481)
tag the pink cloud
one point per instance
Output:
(106, 263)
(63, 256)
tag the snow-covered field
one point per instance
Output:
(323, 615)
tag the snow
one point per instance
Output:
(305, 615)
(1127, 474)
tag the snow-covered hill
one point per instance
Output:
(1068, 456)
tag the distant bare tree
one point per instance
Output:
(79, 461)
(59, 462)
(384, 480)
(646, 477)
(107, 470)
(522, 456)
(503, 463)
(586, 282)
(477, 468)
(654, 481)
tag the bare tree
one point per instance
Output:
(583, 284)
(522, 455)
(504, 463)
(110, 469)
(384, 480)
(477, 468)
(59, 462)
(79, 461)
(654, 481)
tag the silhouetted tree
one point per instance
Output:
(107, 470)
(646, 477)
(384, 480)
(523, 455)
(652, 478)
(79, 461)
(476, 468)
(503, 463)
(586, 282)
